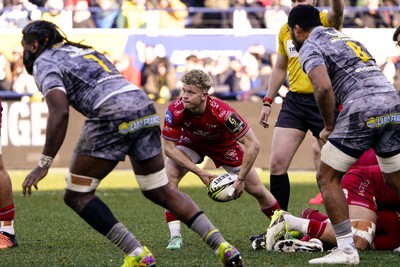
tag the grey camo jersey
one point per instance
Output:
(353, 71)
(88, 77)
(371, 106)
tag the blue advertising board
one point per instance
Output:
(177, 48)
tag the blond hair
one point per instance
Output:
(197, 78)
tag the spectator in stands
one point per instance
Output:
(391, 12)
(254, 80)
(256, 71)
(389, 68)
(5, 73)
(134, 13)
(194, 19)
(105, 13)
(172, 13)
(161, 85)
(22, 82)
(124, 64)
(148, 67)
(55, 12)
(256, 17)
(216, 19)
(226, 84)
(276, 15)
(192, 62)
(18, 13)
(372, 18)
(81, 16)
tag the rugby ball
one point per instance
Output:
(221, 186)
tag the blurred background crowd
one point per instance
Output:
(176, 14)
(244, 79)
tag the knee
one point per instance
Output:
(77, 201)
(157, 195)
(278, 166)
(68, 199)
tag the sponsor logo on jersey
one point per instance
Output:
(231, 155)
(235, 124)
(178, 111)
(201, 133)
(368, 68)
(375, 122)
(133, 126)
(168, 117)
(291, 50)
(167, 128)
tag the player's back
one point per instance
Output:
(87, 76)
(353, 71)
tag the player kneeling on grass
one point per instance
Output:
(121, 121)
(198, 125)
(373, 207)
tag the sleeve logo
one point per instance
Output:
(235, 124)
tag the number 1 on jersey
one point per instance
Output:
(101, 63)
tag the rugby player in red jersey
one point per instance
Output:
(198, 125)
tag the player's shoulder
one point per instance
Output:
(218, 105)
(221, 109)
(283, 32)
(176, 104)
(174, 111)
(323, 15)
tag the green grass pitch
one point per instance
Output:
(50, 234)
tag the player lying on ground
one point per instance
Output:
(374, 209)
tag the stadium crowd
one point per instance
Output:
(242, 79)
(176, 14)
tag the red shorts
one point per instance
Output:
(365, 187)
(359, 189)
(229, 153)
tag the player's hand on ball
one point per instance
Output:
(221, 188)
(206, 177)
(239, 187)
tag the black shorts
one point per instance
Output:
(300, 111)
(137, 135)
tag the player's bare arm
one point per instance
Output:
(335, 13)
(172, 152)
(324, 96)
(278, 76)
(56, 129)
(251, 149)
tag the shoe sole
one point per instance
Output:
(296, 246)
(258, 244)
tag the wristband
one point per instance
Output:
(267, 105)
(240, 179)
(45, 161)
(267, 100)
